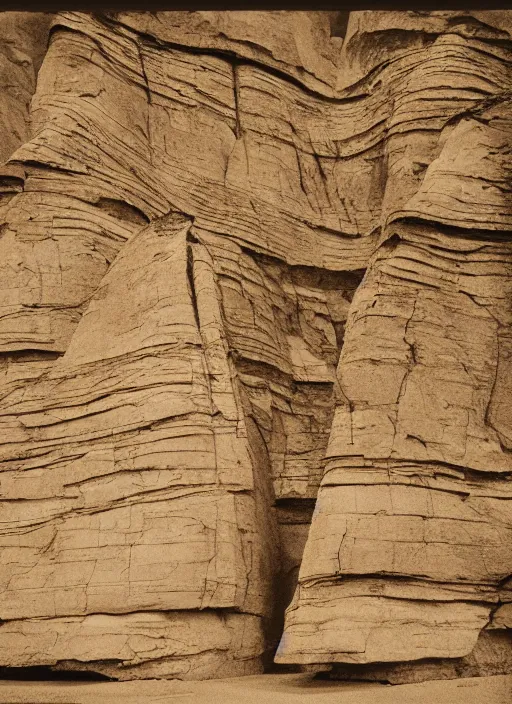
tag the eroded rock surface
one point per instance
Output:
(251, 265)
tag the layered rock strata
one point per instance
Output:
(253, 264)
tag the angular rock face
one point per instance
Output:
(251, 265)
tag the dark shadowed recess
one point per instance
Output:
(40, 673)
(339, 22)
(342, 6)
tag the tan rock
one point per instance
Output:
(252, 264)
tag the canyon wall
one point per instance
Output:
(256, 343)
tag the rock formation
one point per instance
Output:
(253, 264)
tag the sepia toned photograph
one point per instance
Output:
(255, 355)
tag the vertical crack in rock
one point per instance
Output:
(236, 94)
(190, 279)
(149, 98)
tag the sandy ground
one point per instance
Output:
(261, 689)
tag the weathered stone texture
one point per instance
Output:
(248, 267)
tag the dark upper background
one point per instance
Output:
(338, 6)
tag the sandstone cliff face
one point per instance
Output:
(249, 267)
